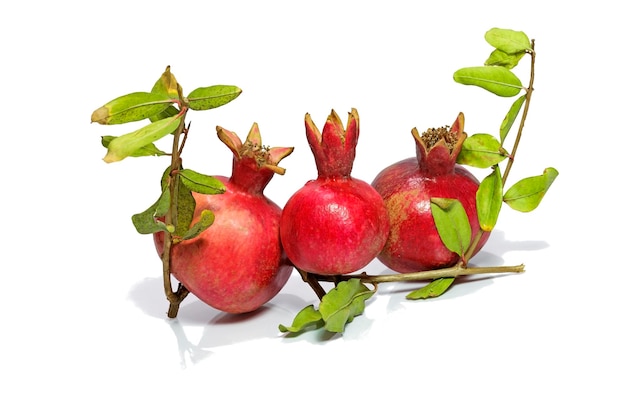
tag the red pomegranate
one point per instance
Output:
(335, 224)
(238, 263)
(407, 186)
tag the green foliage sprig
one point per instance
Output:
(166, 108)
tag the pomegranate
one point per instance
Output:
(407, 186)
(335, 224)
(238, 263)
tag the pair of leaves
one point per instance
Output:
(159, 107)
(336, 309)
(149, 221)
(524, 196)
(451, 218)
(496, 76)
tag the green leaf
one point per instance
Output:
(126, 145)
(510, 117)
(502, 59)
(526, 194)
(307, 317)
(205, 98)
(481, 150)
(131, 108)
(146, 222)
(508, 41)
(169, 112)
(341, 304)
(497, 80)
(452, 224)
(201, 183)
(185, 210)
(148, 150)
(433, 289)
(489, 200)
(186, 204)
(206, 220)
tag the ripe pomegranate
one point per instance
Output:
(407, 186)
(238, 263)
(334, 224)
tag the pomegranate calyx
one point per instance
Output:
(438, 148)
(253, 148)
(334, 148)
(253, 164)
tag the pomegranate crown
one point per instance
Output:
(254, 165)
(334, 148)
(438, 148)
(253, 149)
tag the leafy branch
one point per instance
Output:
(480, 151)
(166, 107)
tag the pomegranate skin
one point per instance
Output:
(238, 263)
(335, 224)
(406, 187)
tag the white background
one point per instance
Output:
(83, 309)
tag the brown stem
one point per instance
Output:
(453, 271)
(313, 281)
(171, 217)
(529, 92)
(179, 296)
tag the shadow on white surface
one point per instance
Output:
(210, 327)
(491, 255)
(498, 245)
(200, 329)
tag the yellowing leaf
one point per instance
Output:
(148, 150)
(166, 85)
(126, 145)
(131, 108)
